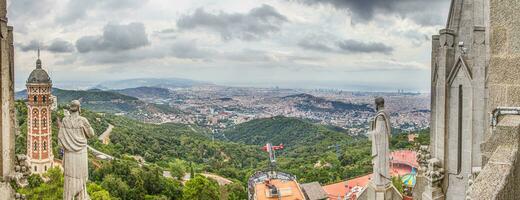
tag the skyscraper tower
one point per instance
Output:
(39, 131)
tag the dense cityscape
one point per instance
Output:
(219, 107)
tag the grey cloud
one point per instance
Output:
(115, 38)
(33, 45)
(354, 46)
(29, 9)
(78, 9)
(314, 45)
(334, 45)
(167, 34)
(100, 58)
(56, 46)
(258, 23)
(60, 46)
(190, 50)
(74, 10)
(424, 12)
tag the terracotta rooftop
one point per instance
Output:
(405, 157)
(289, 190)
(314, 191)
(343, 188)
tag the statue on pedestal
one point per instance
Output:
(380, 135)
(380, 186)
(73, 135)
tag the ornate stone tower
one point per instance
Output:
(459, 118)
(39, 131)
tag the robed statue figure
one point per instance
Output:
(380, 133)
(73, 135)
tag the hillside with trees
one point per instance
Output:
(313, 153)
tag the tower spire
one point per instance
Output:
(38, 62)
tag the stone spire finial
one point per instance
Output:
(38, 62)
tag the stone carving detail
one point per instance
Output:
(423, 155)
(435, 172)
(73, 135)
(22, 170)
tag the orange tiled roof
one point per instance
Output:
(406, 157)
(289, 190)
(343, 188)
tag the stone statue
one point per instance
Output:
(73, 135)
(380, 135)
(380, 186)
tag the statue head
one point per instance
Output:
(75, 106)
(380, 103)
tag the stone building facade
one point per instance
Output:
(475, 75)
(7, 110)
(39, 129)
(7, 116)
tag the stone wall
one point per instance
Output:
(7, 112)
(504, 69)
(499, 179)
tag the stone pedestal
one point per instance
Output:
(6, 192)
(420, 186)
(433, 193)
(373, 192)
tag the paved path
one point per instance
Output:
(100, 155)
(105, 137)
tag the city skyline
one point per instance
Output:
(354, 45)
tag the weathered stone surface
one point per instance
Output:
(513, 95)
(7, 112)
(372, 192)
(6, 192)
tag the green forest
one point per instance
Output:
(313, 153)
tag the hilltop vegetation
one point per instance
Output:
(150, 82)
(309, 102)
(168, 147)
(108, 102)
(146, 92)
(282, 130)
(313, 152)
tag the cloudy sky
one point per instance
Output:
(350, 44)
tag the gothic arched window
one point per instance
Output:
(35, 98)
(35, 146)
(35, 122)
(44, 100)
(44, 118)
(44, 145)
